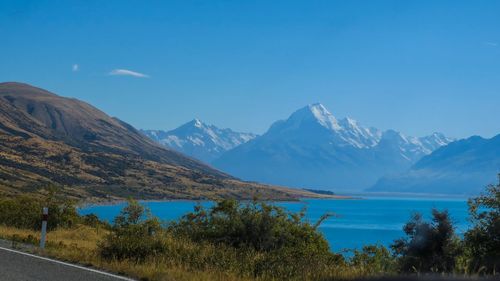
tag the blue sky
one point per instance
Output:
(413, 66)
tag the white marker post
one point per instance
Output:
(45, 216)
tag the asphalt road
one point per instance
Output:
(19, 266)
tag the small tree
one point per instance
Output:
(483, 239)
(135, 235)
(429, 246)
(373, 259)
(132, 214)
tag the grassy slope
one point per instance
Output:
(79, 245)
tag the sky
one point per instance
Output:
(413, 66)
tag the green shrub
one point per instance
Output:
(256, 225)
(429, 246)
(135, 235)
(93, 221)
(26, 212)
(483, 239)
(253, 240)
(373, 259)
(289, 245)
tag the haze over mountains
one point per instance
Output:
(48, 139)
(462, 167)
(310, 149)
(314, 149)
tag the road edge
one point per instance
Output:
(68, 264)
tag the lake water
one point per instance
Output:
(358, 222)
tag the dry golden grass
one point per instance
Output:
(84, 236)
(79, 245)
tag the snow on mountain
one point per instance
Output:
(320, 115)
(312, 148)
(411, 148)
(200, 140)
(315, 119)
(434, 141)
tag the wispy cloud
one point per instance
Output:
(75, 67)
(126, 72)
(491, 44)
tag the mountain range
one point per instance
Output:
(311, 149)
(46, 139)
(199, 140)
(462, 167)
(314, 149)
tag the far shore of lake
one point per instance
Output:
(112, 202)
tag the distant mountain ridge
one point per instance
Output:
(462, 167)
(199, 140)
(314, 149)
(49, 139)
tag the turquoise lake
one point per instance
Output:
(358, 222)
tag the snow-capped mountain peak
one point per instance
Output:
(344, 132)
(197, 123)
(309, 148)
(435, 140)
(313, 148)
(193, 125)
(323, 116)
(413, 148)
(200, 140)
(358, 135)
(315, 113)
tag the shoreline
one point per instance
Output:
(85, 203)
(362, 196)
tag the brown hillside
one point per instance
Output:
(48, 139)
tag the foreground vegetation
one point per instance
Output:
(251, 241)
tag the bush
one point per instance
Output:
(289, 245)
(483, 239)
(373, 259)
(135, 235)
(260, 226)
(26, 212)
(93, 221)
(429, 247)
(255, 239)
